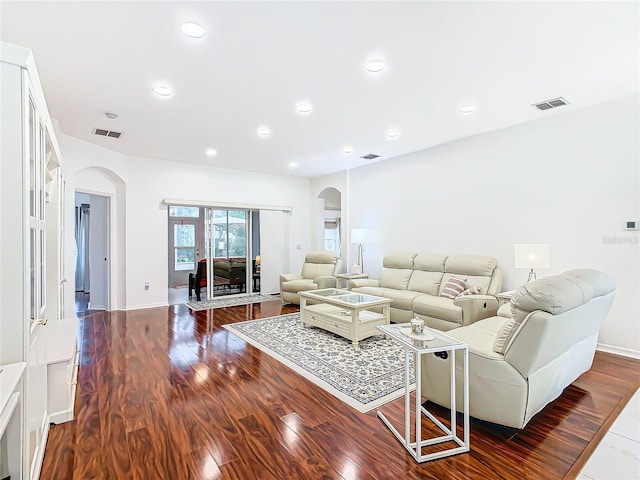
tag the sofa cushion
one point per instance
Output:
(560, 293)
(504, 335)
(399, 260)
(437, 307)
(429, 262)
(402, 299)
(475, 265)
(453, 287)
(300, 285)
(377, 291)
(396, 278)
(470, 291)
(313, 270)
(505, 311)
(477, 269)
(425, 282)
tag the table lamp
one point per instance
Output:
(530, 256)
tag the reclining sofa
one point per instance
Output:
(416, 284)
(524, 358)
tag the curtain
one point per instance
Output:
(82, 248)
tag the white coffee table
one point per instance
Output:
(344, 313)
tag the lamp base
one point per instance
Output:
(532, 276)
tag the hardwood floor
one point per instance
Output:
(166, 393)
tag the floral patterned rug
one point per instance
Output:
(364, 379)
(230, 301)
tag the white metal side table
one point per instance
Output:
(418, 347)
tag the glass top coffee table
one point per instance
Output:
(345, 313)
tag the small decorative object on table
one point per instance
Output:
(417, 326)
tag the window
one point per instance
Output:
(189, 212)
(332, 235)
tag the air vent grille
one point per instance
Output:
(370, 156)
(107, 133)
(553, 103)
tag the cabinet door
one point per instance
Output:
(36, 372)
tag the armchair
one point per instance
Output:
(318, 271)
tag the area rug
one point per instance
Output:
(364, 379)
(229, 301)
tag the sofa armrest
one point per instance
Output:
(287, 277)
(325, 281)
(363, 282)
(476, 307)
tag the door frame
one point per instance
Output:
(109, 221)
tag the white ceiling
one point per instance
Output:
(258, 59)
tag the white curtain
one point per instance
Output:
(274, 249)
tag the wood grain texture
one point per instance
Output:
(166, 393)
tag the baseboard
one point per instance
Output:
(40, 456)
(61, 417)
(626, 352)
(151, 305)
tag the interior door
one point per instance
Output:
(36, 372)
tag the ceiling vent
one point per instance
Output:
(370, 156)
(553, 103)
(107, 133)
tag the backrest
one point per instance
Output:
(396, 270)
(320, 263)
(478, 270)
(552, 314)
(428, 269)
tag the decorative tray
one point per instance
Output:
(418, 336)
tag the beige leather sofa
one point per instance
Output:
(519, 364)
(415, 282)
(318, 271)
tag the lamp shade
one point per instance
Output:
(531, 255)
(360, 235)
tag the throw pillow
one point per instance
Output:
(454, 287)
(470, 291)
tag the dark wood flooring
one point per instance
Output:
(166, 393)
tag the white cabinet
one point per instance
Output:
(30, 238)
(11, 419)
(62, 369)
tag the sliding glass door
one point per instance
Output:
(214, 251)
(228, 252)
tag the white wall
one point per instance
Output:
(570, 180)
(146, 183)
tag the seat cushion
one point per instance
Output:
(377, 291)
(402, 299)
(300, 285)
(437, 307)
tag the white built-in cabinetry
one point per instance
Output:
(31, 268)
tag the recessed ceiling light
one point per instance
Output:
(110, 115)
(264, 132)
(392, 133)
(347, 149)
(162, 90)
(375, 66)
(293, 165)
(467, 108)
(211, 152)
(193, 30)
(303, 108)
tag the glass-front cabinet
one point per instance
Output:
(29, 174)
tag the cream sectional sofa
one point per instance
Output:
(415, 281)
(519, 364)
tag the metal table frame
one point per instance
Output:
(442, 343)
